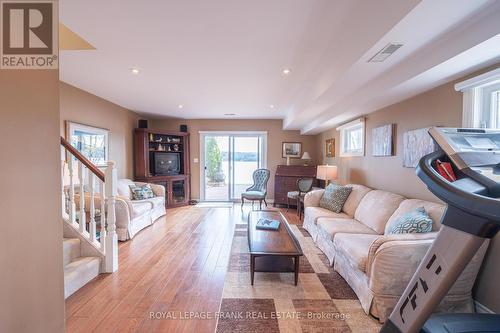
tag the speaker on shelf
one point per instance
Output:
(184, 128)
(143, 123)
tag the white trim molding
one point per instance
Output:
(480, 80)
(352, 123)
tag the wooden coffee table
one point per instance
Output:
(272, 251)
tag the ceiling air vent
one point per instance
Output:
(385, 52)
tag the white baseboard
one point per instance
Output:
(480, 308)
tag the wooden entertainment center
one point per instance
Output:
(162, 158)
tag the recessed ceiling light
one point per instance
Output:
(230, 114)
(180, 106)
(271, 106)
(135, 71)
(286, 71)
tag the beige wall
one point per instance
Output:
(82, 107)
(31, 274)
(438, 107)
(441, 106)
(275, 136)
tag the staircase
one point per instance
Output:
(90, 244)
(78, 269)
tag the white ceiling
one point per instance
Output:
(222, 57)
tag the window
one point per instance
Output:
(481, 107)
(352, 138)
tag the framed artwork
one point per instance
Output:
(382, 140)
(330, 147)
(291, 149)
(416, 144)
(91, 142)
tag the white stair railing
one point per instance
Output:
(79, 208)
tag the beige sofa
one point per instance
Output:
(134, 215)
(378, 266)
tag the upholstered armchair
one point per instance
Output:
(258, 191)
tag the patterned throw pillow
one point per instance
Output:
(334, 197)
(142, 192)
(416, 221)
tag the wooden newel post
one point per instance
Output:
(111, 253)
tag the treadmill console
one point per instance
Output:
(475, 159)
(475, 152)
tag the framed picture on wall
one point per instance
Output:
(92, 142)
(330, 147)
(382, 140)
(416, 144)
(291, 149)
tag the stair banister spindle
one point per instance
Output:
(63, 192)
(102, 236)
(81, 179)
(92, 226)
(111, 264)
(72, 206)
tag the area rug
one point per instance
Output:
(321, 302)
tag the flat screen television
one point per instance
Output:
(165, 164)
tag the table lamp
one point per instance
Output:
(326, 173)
(306, 157)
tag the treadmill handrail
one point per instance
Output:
(480, 205)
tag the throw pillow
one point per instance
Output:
(416, 221)
(142, 192)
(334, 197)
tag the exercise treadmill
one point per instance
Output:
(472, 216)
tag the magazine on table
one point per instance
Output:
(267, 224)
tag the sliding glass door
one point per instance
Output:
(215, 167)
(228, 160)
(245, 160)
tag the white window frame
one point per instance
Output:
(473, 91)
(344, 132)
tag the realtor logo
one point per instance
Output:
(29, 35)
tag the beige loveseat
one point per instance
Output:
(378, 266)
(134, 215)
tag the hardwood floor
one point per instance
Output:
(172, 268)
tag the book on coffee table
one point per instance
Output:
(267, 224)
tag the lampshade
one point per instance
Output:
(306, 156)
(326, 172)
